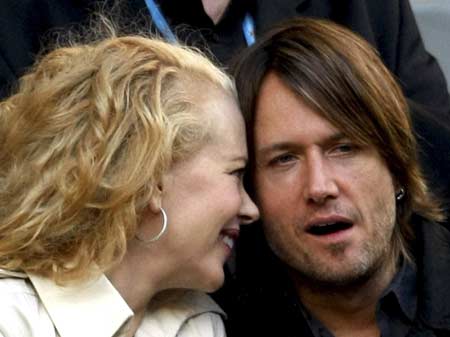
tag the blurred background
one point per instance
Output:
(433, 19)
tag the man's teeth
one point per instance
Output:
(228, 241)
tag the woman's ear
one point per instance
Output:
(155, 200)
(155, 203)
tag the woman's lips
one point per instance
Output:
(229, 236)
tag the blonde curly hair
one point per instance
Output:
(85, 141)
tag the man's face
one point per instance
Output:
(327, 203)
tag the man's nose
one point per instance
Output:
(320, 184)
(249, 211)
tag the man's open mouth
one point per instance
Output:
(329, 228)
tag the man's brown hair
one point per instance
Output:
(341, 77)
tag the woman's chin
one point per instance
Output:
(214, 281)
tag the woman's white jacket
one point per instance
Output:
(32, 306)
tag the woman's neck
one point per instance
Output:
(139, 276)
(131, 287)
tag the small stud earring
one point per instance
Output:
(400, 194)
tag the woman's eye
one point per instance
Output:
(239, 173)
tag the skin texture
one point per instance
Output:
(215, 8)
(307, 172)
(202, 195)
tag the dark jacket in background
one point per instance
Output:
(387, 24)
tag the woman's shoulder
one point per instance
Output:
(21, 311)
(15, 287)
(183, 313)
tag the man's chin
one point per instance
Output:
(337, 276)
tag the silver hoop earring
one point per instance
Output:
(400, 194)
(163, 229)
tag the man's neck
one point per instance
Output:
(215, 8)
(346, 311)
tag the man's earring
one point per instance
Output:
(400, 194)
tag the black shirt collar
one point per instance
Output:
(404, 288)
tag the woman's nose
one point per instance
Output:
(249, 211)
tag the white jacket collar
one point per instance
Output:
(94, 308)
(169, 311)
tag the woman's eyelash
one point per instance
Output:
(239, 172)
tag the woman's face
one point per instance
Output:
(205, 200)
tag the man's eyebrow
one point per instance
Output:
(281, 146)
(292, 145)
(334, 138)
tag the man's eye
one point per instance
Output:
(282, 159)
(344, 148)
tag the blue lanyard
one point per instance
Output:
(248, 25)
(160, 21)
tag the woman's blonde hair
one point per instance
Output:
(84, 143)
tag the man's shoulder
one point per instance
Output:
(431, 231)
(433, 264)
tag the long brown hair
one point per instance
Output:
(341, 77)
